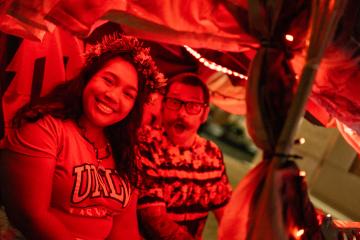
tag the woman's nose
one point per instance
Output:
(113, 95)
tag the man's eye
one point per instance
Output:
(175, 101)
(194, 105)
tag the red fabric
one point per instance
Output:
(269, 94)
(226, 96)
(236, 216)
(26, 18)
(37, 66)
(256, 211)
(196, 23)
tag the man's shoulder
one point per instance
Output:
(148, 134)
(207, 142)
(209, 147)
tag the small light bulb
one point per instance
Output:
(300, 141)
(289, 37)
(299, 233)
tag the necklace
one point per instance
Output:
(107, 148)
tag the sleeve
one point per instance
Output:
(39, 139)
(151, 192)
(220, 191)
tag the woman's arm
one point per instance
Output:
(26, 191)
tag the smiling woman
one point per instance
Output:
(70, 155)
(110, 94)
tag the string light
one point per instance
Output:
(219, 68)
(289, 37)
(302, 173)
(213, 65)
(349, 130)
(300, 141)
(299, 233)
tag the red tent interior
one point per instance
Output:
(42, 42)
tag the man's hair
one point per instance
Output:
(190, 79)
(65, 100)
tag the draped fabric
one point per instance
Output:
(233, 25)
(201, 23)
(270, 96)
(227, 96)
(221, 25)
(290, 195)
(30, 69)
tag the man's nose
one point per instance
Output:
(182, 110)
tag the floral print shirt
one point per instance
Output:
(189, 182)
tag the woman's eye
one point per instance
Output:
(130, 95)
(108, 80)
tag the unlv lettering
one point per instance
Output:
(88, 183)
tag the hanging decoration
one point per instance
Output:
(212, 65)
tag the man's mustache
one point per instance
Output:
(180, 121)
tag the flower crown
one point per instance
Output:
(141, 59)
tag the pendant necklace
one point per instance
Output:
(96, 150)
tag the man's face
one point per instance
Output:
(180, 125)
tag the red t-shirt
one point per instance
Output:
(84, 198)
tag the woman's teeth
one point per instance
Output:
(104, 108)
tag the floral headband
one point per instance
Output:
(143, 62)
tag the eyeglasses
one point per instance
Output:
(192, 108)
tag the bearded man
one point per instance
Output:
(185, 175)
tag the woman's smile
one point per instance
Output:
(103, 107)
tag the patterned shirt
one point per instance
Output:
(189, 182)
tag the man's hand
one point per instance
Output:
(155, 224)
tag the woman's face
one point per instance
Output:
(111, 93)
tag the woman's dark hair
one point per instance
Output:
(65, 100)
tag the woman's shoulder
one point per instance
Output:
(48, 123)
(39, 138)
(46, 126)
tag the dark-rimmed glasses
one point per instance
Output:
(192, 108)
